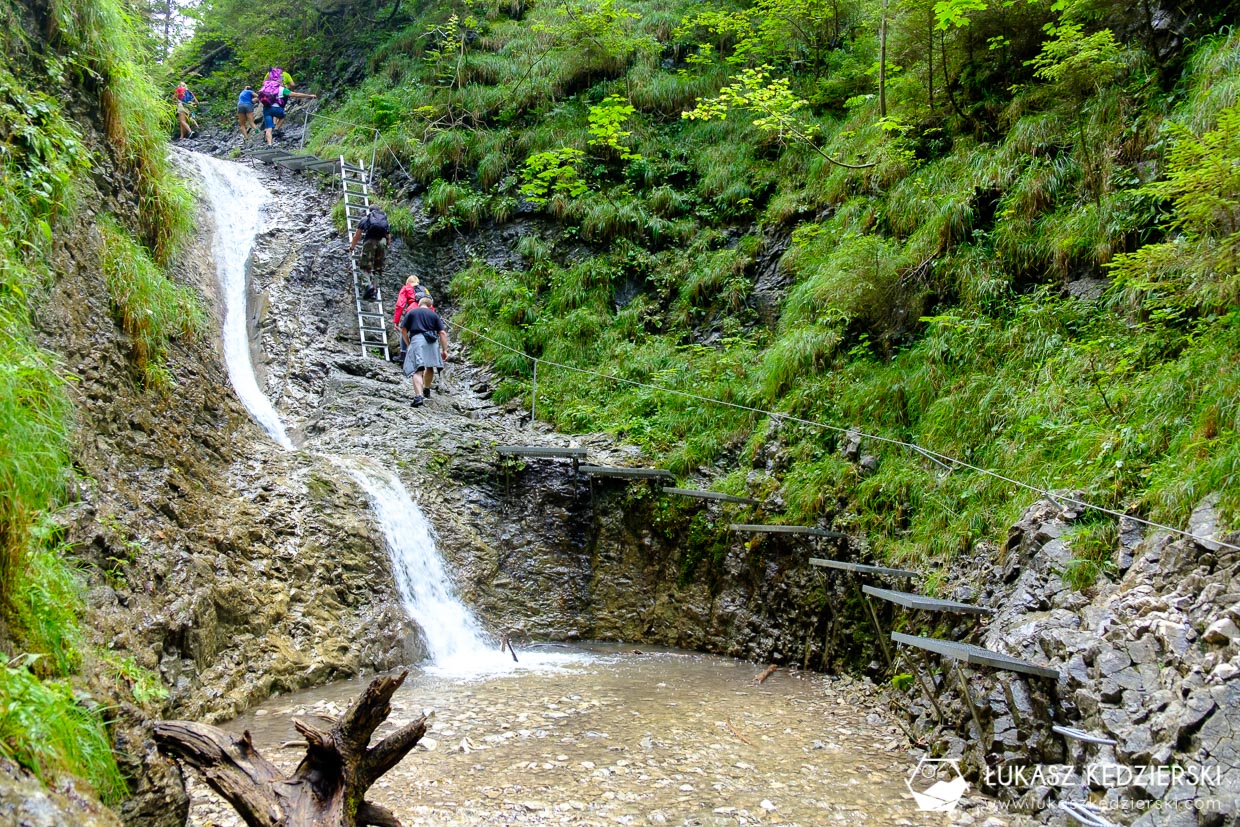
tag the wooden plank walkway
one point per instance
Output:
(923, 603)
(784, 529)
(1086, 814)
(540, 451)
(861, 568)
(1081, 735)
(976, 655)
(709, 495)
(627, 473)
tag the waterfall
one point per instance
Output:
(236, 199)
(454, 638)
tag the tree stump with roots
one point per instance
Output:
(329, 786)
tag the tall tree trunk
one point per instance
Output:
(167, 28)
(930, 56)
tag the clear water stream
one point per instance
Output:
(660, 737)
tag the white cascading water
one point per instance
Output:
(454, 639)
(450, 628)
(236, 198)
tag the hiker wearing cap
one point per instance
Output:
(245, 111)
(426, 340)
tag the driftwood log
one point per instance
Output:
(766, 673)
(329, 786)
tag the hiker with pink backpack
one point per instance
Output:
(272, 95)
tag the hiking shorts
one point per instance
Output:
(270, 113)
(374, 254)
(421, 355)
(244, 109)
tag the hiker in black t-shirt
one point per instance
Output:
(426, 338)
(375, 235)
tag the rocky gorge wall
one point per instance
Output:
(1148, 657)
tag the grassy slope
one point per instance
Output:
(927, 299)
(89, 50)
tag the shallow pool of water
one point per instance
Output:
(605, 735)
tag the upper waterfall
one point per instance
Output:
(235, 200)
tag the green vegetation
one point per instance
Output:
(46, 729)
(150, 307)
(79, 55)
(1008, 234)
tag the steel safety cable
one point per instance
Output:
(944, 460)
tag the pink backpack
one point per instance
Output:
(269, 92)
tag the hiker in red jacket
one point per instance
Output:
(408, 298)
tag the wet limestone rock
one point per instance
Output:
(25, 801)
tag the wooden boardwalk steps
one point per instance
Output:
(960, 653)
(920, 602)
(1074, 734)
(784, 529)
(975, 655)
(861, 568)
(627, 473)
(709, 495)
(542, 452)
(1086, 814)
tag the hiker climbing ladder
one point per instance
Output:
(354, 184)
(371, 325)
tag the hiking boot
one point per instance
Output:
(418, 402)
(427, 391)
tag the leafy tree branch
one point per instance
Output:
(778, 110)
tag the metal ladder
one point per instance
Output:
(371, 320)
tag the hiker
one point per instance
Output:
(183, 119)
(376, 236)
(426, 343)
(183, 94)
(408, 297)
(245, 111)
(185, 99)
(285, 94)
(271, 95)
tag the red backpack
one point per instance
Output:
(269, 92)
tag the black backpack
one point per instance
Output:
(376, 224)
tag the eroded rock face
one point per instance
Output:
(1148, 658)
(25, 801)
